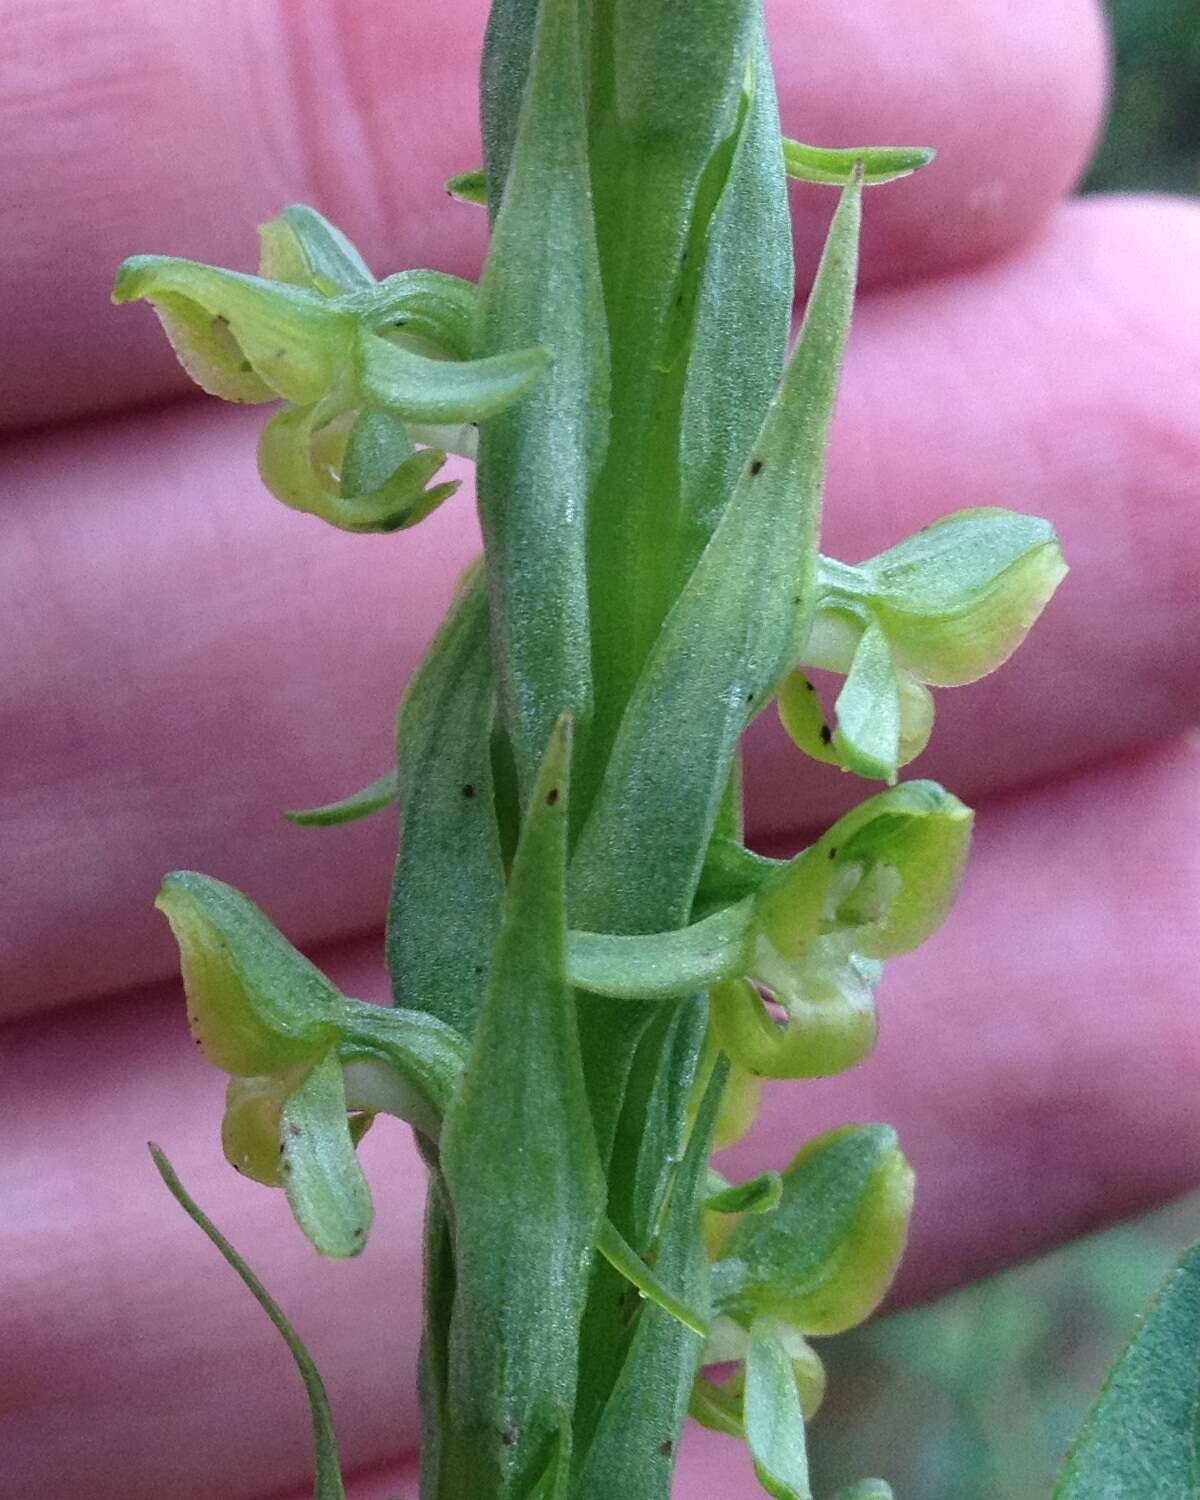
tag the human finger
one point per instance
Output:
(175, 129)
(184, 658)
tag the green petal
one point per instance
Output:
(419, 1062)
(958, 598)
(771, 1415)
(255, 1004)
(324, 1183)
(441, 390)
(824, 1259)
(250, 1127)
(303, 248)
(835, 166)
(422, 307)
(239, 336)
(804, 719)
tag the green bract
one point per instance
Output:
(370, 369)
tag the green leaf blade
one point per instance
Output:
(1141, 1440)
(361, 804)
(772, 1418)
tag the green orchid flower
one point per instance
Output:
(378, 376)
(309, 1069)
(944, 608)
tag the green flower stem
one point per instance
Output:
(592, 974)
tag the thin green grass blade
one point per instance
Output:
(328, 1484)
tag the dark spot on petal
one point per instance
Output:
(667, 1448)
(833, 852)
(400, 323)
(468, 790)
(508, 1438)
(358, 1232)
(809, 686)
(552, 797)
(478, 971)
(826, 734)
(749, 697)
(281, 354)
(756, 467)
(282, 1148)
(235, 1167)
(294, 1130)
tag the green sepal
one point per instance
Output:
(617, 1251)
(524, 1180)
(238, 336)
(361, 804)
(835, 166)
(430, 311)
(757, 1195)
(664, 965)
(301, 247)
(824, 1259)
(328, 1480)
(772, 1418)
(469, 187)
(729, 1341)
(325, 1186)
(255, 1004)
(716, 1408)
(443, 391)
(1138, 1442)
(958, 598)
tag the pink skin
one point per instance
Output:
(183, 657)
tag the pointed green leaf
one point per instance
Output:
(449, 880)
(743, 307)
(322, 1178)
(239, 336)
(541, 286)
(663, 965)
(771, 1414)
(302, 247)
(1140, 1440)
(328, 1476)
(757, 1195)
(835, 166)
(361, 804)
(255, 1004)
(617, 1251)
(420, 389)
(469, 187)
(520, 1164)
(507, 49)
(724, 646)
(824, 1259)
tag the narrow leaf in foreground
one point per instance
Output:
(617, 1251)
(524, 1180)
(1140, 1440)
(328, 1484)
